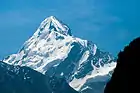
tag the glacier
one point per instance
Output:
(53, 50)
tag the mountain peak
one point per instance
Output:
(52, 18)
(53, 51)
(53, 24)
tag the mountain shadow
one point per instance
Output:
(16, 79)
(125, 77)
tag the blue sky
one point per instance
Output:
(111, 24)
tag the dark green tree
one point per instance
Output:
(126, 74)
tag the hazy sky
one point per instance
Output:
(111, 24)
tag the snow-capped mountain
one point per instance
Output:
(53, 50)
